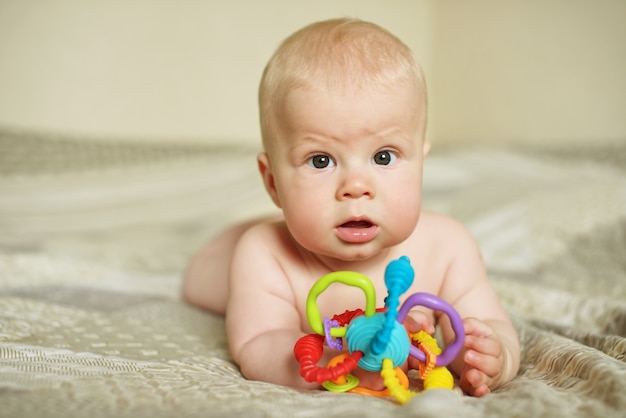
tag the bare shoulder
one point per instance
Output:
(438, 220)
(464, 266)
(262, 252)
(445, 230)
(265, 237)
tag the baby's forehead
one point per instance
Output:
(349, 112)
(407, 92)
(362, 87)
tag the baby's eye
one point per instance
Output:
(321, 161)
(384, 157)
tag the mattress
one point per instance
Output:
(95, 234)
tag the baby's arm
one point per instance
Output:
(262, 320)
(491, 352)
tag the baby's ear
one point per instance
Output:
(265, 168)
(426, 148)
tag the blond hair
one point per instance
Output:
(334, 55)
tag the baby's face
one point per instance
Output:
(347, 169)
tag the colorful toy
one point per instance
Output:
(376, 340)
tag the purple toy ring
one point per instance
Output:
(435, 303)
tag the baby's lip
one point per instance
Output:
(357, 230)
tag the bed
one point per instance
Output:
(94, 235)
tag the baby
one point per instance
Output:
(343, 118)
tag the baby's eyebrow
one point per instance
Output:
(304, 145)
(390, 136)
(394, 135)
(307, 141)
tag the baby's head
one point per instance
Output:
(343, 109)
(337, 55)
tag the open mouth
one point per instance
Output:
(357, 224)
(357, 231)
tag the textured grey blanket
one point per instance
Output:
(94, 236)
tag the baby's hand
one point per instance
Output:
(417, 321)
(483, 358)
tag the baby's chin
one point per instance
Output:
(360, 254)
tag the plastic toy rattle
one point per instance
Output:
(377, 340)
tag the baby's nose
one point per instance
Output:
(355, 185)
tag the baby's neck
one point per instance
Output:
(329, 264)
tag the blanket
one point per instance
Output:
(95, 234)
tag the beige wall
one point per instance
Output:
(155, 68)
(516, 70)
(529, 70)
